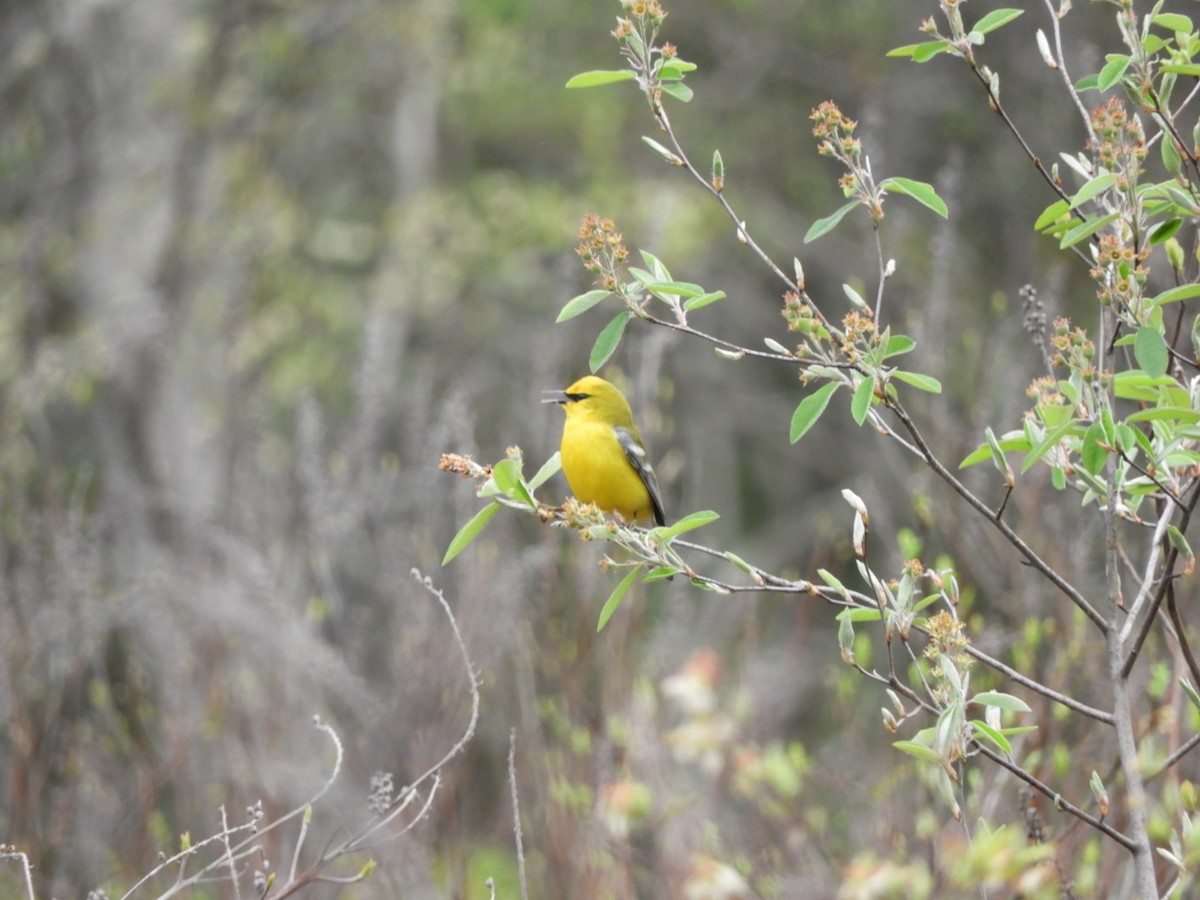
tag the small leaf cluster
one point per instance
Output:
(657, 70)
(605, 256)
(941, 684)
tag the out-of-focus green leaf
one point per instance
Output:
(608, 339)
(916, 379)
(598, 77)
(1150, 351)
(810, 409)
(687, 523)
(921, 52)
(828, 223)
(615, 598)
(1001, 700)
(581, 304)
(862, 400)
(470, 531)
(1112, 71)
(995, 19)
(920, 191)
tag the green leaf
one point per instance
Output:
(999, 460)
(687, 523)
(1182, 292)
(919, 381)
(821, 226)
(920, 191)
(615, 598)
(675, 289)
(581, 304)
(1085, 230)
(739, 562)
(718, 170)
(1179, 542)
(1093, 453)
(920, 751)
(1164, 231)
(549, 468)
(669, 155)
(661, 573)
(1178, 414)
(983, 451)
(1134, 384)
(985, 730)
(703, 300)
(921, 52)
(862, 400)
(1094, 188)
(1172, 161)
(676, 68)
(1150, 351)
(1173, 22)
(1112, 71)
(608, 339)
(810, 410)
(507, 475)
(831, 580)
(598, 77)
(995, 19)
(900, 343)
(680, 92)
(858, 614)
(657, 267)
(470, 531)
(1001, 700)
(1189, 69)
(1051, 439)
(854, 297)
(1051, 215)
(846, 638)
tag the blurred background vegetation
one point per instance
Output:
(265, 261)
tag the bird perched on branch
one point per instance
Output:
(603, 456)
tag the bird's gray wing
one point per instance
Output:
(636, 454)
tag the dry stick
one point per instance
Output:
(407, 792)
(512, 784)
(254, 837)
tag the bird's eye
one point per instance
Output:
(577, 397)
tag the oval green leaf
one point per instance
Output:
(862, 400)
(1150, 351)
(580, 304)
(615, 598)
(470, 531)
(920, 191)
(607, 340)
(827, 224)
(810, 409)
(599, 77)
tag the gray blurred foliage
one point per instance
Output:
(264, 261)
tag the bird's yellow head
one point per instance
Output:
(593, 398)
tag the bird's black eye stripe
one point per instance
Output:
(576, 397)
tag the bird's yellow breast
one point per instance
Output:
(598, 472)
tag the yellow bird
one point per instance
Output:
(603, 456)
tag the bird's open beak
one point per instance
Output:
(555, 397)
